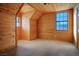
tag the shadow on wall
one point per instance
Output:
(9, 52)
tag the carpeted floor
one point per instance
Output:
(46, 48)
(43, 48)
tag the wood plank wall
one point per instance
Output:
(47, 27)
(43, 26)
(23, 32)
(7, 31)
(31, 32)
(33, 25)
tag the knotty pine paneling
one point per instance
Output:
(23, 32)
(47, 27)
(7, 31)
(33, 25)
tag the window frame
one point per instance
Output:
(61, 21)
(18, 21)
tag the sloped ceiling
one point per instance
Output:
(10, 8)
(26, 8)
(50, 7)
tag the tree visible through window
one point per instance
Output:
(62, 21)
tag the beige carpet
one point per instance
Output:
(46, 48)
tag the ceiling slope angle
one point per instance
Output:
(51, 7)
(10, 8)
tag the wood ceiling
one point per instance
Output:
(26, 8)
(13, 8)
(50, 7)
(10, 8)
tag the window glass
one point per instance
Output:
(18, 21)
(62, 21)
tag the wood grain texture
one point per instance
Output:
(47, 27)
(51, 7)
(7, 31)
(10, 8)
(33, 25)
(7, 25)
(23, 32)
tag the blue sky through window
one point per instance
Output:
(62, 21)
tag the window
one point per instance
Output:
(62, 21)
(18, 21)
(77, 18)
